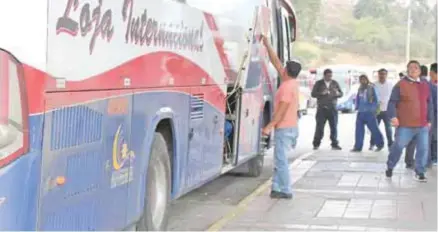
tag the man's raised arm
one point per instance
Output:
(273, 56)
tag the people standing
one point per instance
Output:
(367, 103)
(410, 149)
(327, 92)
(383, 89)
(401, 75)
(284, 122)
(410, 110)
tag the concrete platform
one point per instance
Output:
(341, 191)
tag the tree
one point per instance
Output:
(308, 14)
(371, 8)
(374, 28)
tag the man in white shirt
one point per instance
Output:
(383, 89)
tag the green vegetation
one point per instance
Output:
(370, 31)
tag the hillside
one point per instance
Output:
(311, 55)
(363, 32)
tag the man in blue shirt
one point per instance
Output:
(367, 103)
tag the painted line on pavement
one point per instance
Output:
(243, 204)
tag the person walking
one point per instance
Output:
(410, 110)
(327, 92)
(284, 122)
(410, 149)
(383, 89)
(367, 103)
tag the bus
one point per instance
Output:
(112, 109)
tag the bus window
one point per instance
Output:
(285, 35)
(292, 28)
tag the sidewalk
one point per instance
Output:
(341, 191)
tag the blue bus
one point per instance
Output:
(112, 109)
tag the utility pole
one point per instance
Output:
(408, 34)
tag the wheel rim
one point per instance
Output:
(158, 194)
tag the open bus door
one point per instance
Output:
(251, 104)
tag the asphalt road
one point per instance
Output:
(204, 206)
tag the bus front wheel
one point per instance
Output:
(157, 198)
(255, 165)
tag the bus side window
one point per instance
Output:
(286, 35)
(291, 27)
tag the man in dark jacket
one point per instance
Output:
(327, 92)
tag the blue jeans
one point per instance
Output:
(410, 149)
(368, 119)
(383, 116)
(285, 140)
(403, 135)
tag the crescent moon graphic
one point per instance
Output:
(116, 164)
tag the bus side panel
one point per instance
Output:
(86, 161)
(176, 104)
(148, 112)
(213, 136)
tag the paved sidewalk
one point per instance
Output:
(341, 191)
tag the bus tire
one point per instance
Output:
(158, 188)
(255, 166)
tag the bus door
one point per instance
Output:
(252, 97)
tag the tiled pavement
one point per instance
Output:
(340, 191)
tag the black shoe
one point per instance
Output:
(420, 177)
(315, 148)
(378, 149)
(355, 150)
(388, 173)
(409, 166)
(371, 148)
(337, 147)
(280, 195)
